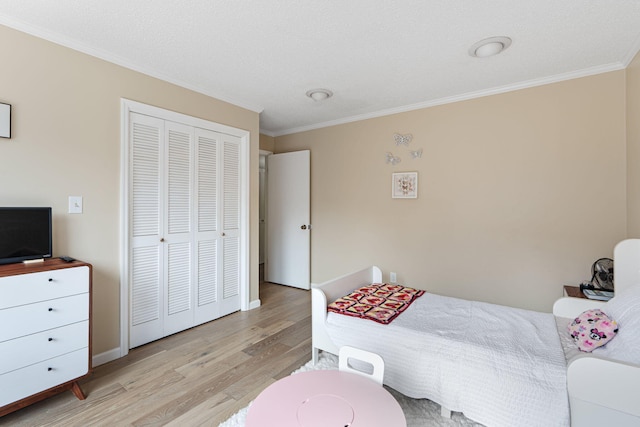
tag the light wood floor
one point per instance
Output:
(197, 377)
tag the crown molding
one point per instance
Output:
(117, 60)
(457, 98)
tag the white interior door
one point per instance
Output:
(288, 219)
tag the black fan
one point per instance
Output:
(602, 274)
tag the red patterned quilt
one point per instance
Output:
(380, 302)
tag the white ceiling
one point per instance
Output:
(378, 57)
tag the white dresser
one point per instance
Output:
(45, 330)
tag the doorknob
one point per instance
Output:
(303, 227)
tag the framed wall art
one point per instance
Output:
(404, 185)
(5, 120)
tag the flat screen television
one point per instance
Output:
(25, 234)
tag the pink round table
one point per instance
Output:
(325, 399)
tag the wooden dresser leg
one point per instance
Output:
(77, 391)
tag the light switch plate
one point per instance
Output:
(75, 204)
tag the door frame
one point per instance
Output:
(263, 190)
(128, 106)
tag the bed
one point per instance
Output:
(498, 365)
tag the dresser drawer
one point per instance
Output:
(29, 319)
(33, 379)
(31, 349)
(33, 287)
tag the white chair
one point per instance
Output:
(363, 359)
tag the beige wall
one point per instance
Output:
(633, 147)
(518, 193)
(66, 142)
(267, 143)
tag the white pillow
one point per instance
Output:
(624, 308)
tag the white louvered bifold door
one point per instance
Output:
(178, 244)
(207, 237)
(218, 219)
(230, 300)
(146, 322)
(185, 227)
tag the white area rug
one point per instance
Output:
(418, 412)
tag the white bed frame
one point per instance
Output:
(617, 402)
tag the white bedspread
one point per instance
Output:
(498, 365)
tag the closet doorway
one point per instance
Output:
(263, 210)
(185, 222)
(262, 213)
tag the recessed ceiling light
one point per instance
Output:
(319, 94)
(489, 47)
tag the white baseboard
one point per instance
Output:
(107, 356)
(254, 304)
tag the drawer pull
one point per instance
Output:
(49, 369)
(50, 309)
(50, 339)
(50, 279)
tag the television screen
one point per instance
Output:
(25, 234)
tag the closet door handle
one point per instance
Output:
(303, 227)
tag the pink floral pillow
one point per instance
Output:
(592, 329)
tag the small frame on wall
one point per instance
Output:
(5, 120)
(404, 185)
